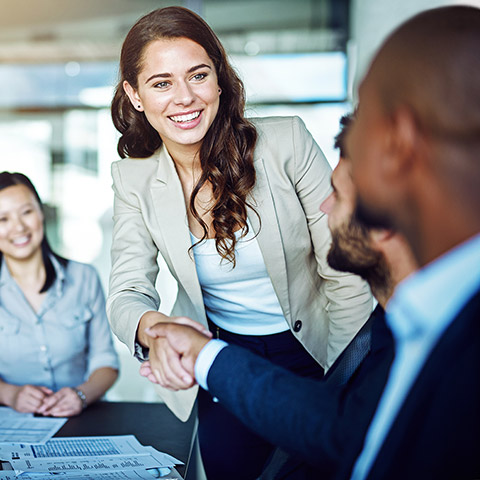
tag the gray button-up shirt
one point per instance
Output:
(65, 341)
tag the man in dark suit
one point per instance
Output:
(317, 421)
(415, 157)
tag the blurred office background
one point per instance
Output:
(58, 66)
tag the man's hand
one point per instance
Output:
(164, 361)
(185, 341)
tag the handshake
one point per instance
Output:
(173, 350)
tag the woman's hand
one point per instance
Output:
(28, 398)
(165, 366)
(187, 342)
(64, 403)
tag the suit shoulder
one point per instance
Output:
(279, 132)
(276, 124)
(134, 174)
(128, 165)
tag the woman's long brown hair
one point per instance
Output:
(226, 154)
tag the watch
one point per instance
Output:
(81, 396)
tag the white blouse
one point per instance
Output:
(241, 299)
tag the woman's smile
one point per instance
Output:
(21, 222)
(177, 91)
(187, 120)
(22, 241)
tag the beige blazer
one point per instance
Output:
(293, 177)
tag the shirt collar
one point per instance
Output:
(6, 279)
(59, 284)
(432, 297)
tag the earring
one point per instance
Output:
(139, 107)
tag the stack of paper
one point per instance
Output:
(74, 458)
(25, 428)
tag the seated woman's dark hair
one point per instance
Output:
(226, 155)
(8, 179)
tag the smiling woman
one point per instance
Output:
(21, 224)
(178, 95)
(56, 351)
(232, 205)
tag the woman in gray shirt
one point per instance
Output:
(56, 351)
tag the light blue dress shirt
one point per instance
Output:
(205, 358)
(65, 341)
(420, 311)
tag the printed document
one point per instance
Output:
(84, 455)
(168, 474)
(25, 428)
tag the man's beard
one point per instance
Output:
(370, 219)
(351, 252)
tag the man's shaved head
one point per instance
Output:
(415, 145)
(432, 64)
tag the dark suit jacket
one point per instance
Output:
(315, 420)
(435, 436)
(437, 432)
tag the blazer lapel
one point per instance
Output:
(169, 206)
(269, 237)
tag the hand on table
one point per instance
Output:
(64, 403)
(29, 398)
(181, 343)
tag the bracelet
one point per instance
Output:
(81, 396)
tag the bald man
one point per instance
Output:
(415, 156)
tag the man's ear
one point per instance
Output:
(133, 96)
(403, 141)
(378, 236)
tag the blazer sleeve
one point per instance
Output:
(349, 297)
(289, 411)
(134, 264)
(323, 424)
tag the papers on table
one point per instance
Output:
(133, 475)
(164, 474)
(91, 458)
(25, 428)
(7, 476)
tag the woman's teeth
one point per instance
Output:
(185, 118)
(21, 240)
